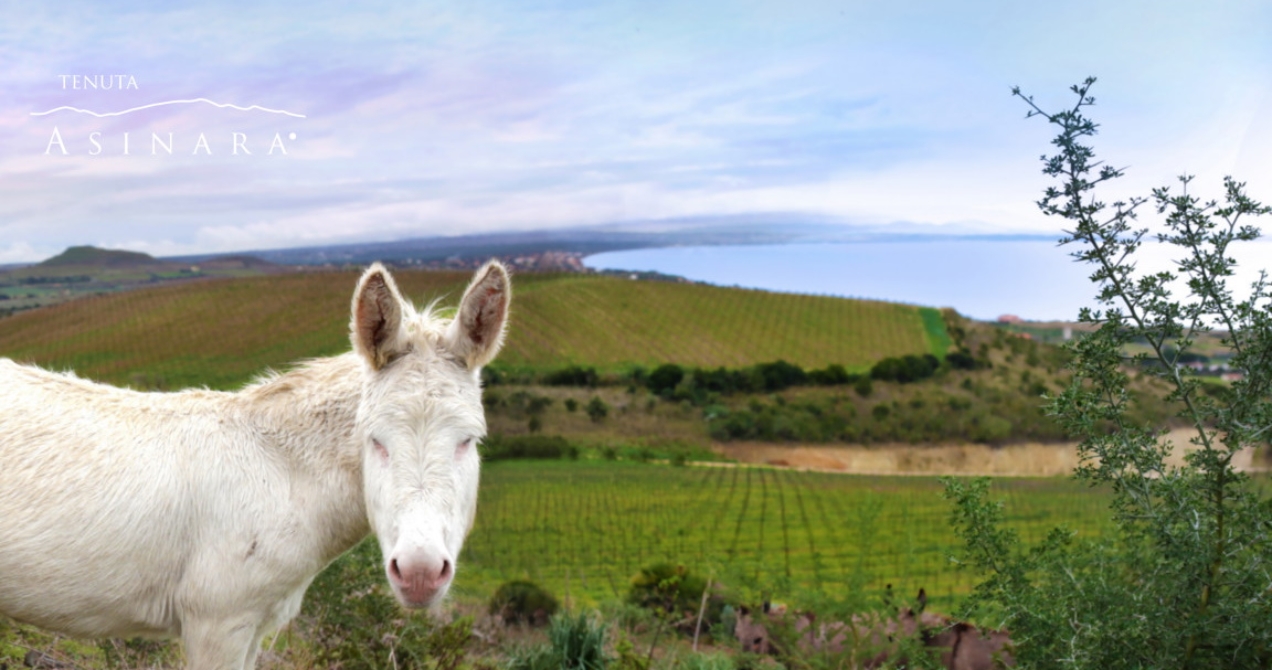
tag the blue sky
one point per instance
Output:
(450, 118)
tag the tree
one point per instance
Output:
(665, 377)
(1185, 581)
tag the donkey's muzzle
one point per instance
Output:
(420, 579)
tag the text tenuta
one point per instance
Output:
(104, 82)
(159, 145)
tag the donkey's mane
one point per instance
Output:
(430, 322)
(424, 327)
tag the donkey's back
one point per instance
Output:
(108, 498)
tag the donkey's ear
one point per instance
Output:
(376, 326)
(477, 332)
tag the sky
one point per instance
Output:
(395, 120)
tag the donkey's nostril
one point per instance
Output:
(418, 578)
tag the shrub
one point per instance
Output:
(638, 375)
(571, 405)
(441, 646)
(574, 643)
(1183, 581)
(665, 378)
(523, 602)
(905, 369)
(863, 386)
(506, 447)
(723, 380)
(961, 360)
(519, 404)
(579, 642)
(573, 375)
(628, 658)
(799, 421)
(780, 375)
(711, 661)
(536, 405)
(833, 375)
(491, 376)
(597, 410)
(673, 590)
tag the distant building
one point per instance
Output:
(1010, 318)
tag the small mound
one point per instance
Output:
(90, 255)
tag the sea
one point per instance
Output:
(984, 278)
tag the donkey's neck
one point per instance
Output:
(306, 418)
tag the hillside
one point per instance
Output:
(221, 333)
(612, 323)
(86, 270)
(88, 255)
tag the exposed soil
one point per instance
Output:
(1020, 460)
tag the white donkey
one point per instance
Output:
(206, 515)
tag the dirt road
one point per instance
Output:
(1022, 460)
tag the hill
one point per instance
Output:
(221, 333)
(87, 270)
(89, 255)
(612, 323)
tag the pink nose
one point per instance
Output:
(418, 578)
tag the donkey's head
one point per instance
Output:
(419, 422)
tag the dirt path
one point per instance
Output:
(1022, 460)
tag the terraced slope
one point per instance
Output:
(220, 333)
(611, 322)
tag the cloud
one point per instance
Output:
(434, 118)
(20, 252)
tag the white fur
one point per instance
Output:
(205, 515)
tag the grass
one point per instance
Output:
(938, 337)
(221, 333)
(583, 529)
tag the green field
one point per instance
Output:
(221, 333)
(589, 526)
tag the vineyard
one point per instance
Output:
(611, 323)
(221, 333)
(586, 527)
(218, 333)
